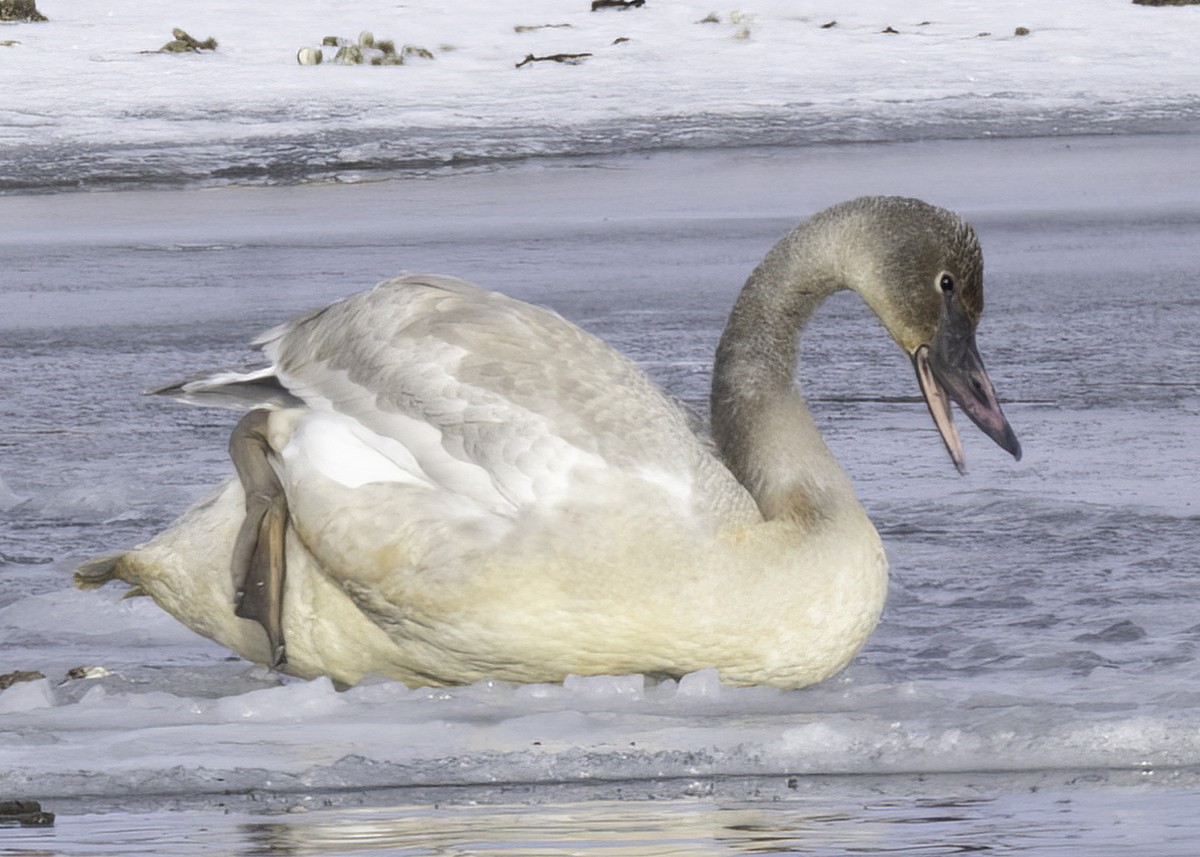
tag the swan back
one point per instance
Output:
(499, 402)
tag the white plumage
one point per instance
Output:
(477, 488)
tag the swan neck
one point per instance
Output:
(761, 425)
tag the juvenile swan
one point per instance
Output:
(442, 484)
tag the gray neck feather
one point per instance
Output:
(760, 423)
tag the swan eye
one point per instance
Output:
(947, 283)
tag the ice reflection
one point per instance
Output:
(641, 829)
(1050, 822)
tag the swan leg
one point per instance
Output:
(259, 566)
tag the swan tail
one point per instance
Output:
(254, 388)
(97, 571)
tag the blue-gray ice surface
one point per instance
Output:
(1043, 614)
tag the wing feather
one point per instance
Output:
(509, 388)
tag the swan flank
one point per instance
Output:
(442, 484)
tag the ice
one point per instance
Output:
(316, 698)
(600, 687)
(997, 652)
(8, 497)
(704, 684)
(26, 696)
(118, 740)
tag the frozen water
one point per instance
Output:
(1041, 636)
(951, 816)
(1042, 615)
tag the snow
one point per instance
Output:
(87, 102)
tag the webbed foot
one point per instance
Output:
(259, 565)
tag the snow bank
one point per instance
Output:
(89, 102)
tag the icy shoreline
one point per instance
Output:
(283, 743)
(351, 156)
(781, 787)
(710, 816)
(88, 104)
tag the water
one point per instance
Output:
(838, 817)
(1032, 686)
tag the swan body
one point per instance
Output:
(466, 486)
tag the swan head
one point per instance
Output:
(924, 279)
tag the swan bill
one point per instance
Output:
(939, 408)
(958, 374)
(950, 368)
